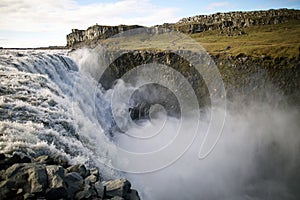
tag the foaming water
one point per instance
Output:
(51, 103)
(47, 107)
(256, 157)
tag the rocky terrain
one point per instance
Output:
(231, 23)
(52, 178)
(265, 58)
(245, 75)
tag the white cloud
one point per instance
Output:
(49, 15)
(215, 5)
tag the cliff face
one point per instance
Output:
(230, 23)
(244, 77)
(95, 33)
(235, 20)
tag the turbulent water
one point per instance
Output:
(51, 103)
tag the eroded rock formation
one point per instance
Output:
(50, 178)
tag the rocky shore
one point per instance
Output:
(44, 177)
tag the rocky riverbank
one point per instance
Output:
(53, 178)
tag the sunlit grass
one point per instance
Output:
(281, 40)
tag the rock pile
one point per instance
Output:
(49, 178)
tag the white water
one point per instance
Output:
(49, 105)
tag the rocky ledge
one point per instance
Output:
(51, 178)
(230, 24)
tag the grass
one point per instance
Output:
(281, 40)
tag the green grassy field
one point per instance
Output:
(281, 40)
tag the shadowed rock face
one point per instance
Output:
(150, 95)
(44, 177)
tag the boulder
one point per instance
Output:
(91, 179)
(118, 187)
(73, 182)
(132, 195)
(86, 193)
(55, 182)
(37, 179)
(100, 189)
(79, 168)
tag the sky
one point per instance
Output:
(40, 23)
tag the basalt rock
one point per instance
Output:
(35, 179)
(230, 24)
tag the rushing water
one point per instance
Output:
(51, 103)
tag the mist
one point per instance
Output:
(255, 156)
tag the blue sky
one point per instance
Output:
(34, 23)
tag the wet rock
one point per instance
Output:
(79, 169)
(29, 196)
(73, 182)
(55, 182)
(45, 159)
(91, 179)
(85, 193)
(118, 187)
(132, 195)
(100, 189)
(94, 171)
(37, 179)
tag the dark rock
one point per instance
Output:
(91, 179)
(132, 195)
(28, 196)
(73, 182)
(55, 182)
(45, 159)
(2, 156)
(85, 193)
(100, 189)
(56, 193)
(118, 187)
(94, 171)
(37, 179)
(79, 168)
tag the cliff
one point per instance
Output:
(95, 33)
(252, 50)
(231, 23)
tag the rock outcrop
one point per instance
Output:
(231, 23)
(48, 178)
(242, 75)
(94, 33)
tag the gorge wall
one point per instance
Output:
(246, 75)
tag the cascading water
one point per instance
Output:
(47, 107)
(51, 104)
